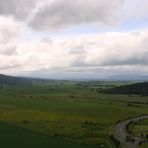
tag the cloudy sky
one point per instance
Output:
(74, 38)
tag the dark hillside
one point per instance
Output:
(10, 80)
(138, 88)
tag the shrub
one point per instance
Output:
(115, 141)
(56, 134)
(25, 122)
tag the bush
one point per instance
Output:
(56, 134)
(25, 122)
(115, 141)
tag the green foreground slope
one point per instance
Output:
(15, 137)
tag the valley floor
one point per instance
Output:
(66, 113)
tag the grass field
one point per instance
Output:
(141, 128)
(145, 145)
(13, 136)
(73, 113)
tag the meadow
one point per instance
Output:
(64, 114)
(141, 128)
(145, 145)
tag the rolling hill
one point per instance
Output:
(137, 88)
(11, 80)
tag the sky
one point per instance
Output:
(74, 39)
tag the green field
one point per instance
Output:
(141, 128)
(145, 145)
(64, 114)
(13, 136)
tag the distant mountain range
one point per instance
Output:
(129, 77)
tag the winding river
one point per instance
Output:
(121, 133)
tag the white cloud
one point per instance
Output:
(10, 33)
(10, 29)
(107, 52)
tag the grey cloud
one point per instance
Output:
(130, 50)
(64, 13)
(135, 53)
(8, 62)
(20, 9)
(46, 40)
(77, 50)
(10, 31)
(8, 50)
(7, 35)
(139, 59)
(9, 66)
